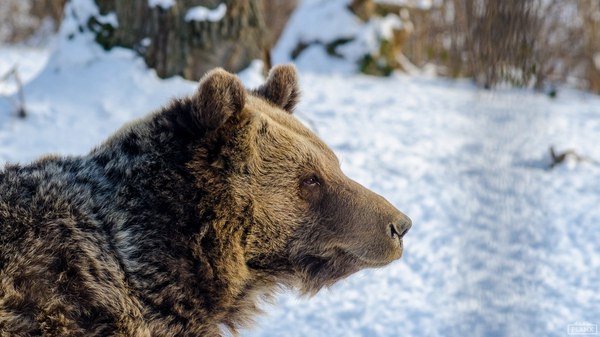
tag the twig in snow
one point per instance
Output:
(14, 72)
(560, 157)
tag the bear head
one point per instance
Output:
(290, 212)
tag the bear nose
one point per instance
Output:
(400, 227)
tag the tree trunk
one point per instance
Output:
(175, 46)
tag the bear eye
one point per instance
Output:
(311, 181)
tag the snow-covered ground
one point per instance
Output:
(500, 246)
(28, 61)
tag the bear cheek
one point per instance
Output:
(268, 236)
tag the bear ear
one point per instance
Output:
(281, 87)
(220, 96)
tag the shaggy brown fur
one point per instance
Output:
(182, 220)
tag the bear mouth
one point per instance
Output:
(328, 267)
(366, 261)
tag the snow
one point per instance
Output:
(77, 101)
(110, 19)
(80, 11)
(316, 21)
(164, 4)
(27, 67)
(81, 93)
(500, 246)
(146, 42)
(77, 15)
(419, 4)
(315, 59)
(322, 25)
(369, 38)
(252, 76)
(389, 23)
(200, 13)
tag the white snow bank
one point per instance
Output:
(74, 105)
(110, 19)
(164, 4)
(321, 21)
(420, 4)
(368, 40)
(83, 91)
(318, 25)
(77, 13)
(200, 13)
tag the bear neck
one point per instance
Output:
(177, 232)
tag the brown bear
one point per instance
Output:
(180, 222)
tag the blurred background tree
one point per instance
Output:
(22, 19)
(175, 41)
(520, 42)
